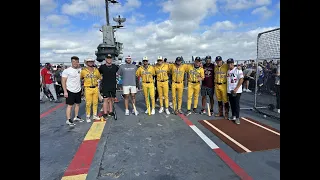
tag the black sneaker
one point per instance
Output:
(195, 110)
(111, 113)
(57, 101)
(188, 113)
(211, 110)
(203, 111)
(105, 116)
(70, 122)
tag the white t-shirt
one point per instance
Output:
(233, 76)
(73, 79)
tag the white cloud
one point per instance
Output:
(96, 8)
(263, 11)
(224, 25)
(180, 35)
(57, 20)
(47, 5)
(245, 4)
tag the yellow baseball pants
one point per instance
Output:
(177, 88)
(163, 91)
(193, 90)
(145, 87)
(221, 92)
(92, 98)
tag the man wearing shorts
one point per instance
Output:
(207, 88)
(128, 73)
(109, 85)
(72, 90)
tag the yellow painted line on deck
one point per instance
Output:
(95, 131)
(75, 177)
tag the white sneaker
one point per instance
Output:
(70, 123)
(161, 110)
(95, 117)
(248, 90)
(244, 90)
(135, 113)
(170, 104)
(147, 111)
(88, 119)
(167, 111)
(78, 119)
(153, 111)
(279, 111)
(127, 113)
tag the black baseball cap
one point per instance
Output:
(230, 60)
(109, 56)
(218, 58)
(198, 59)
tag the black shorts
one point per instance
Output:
(73, 98)
(205, 91)
(107, 93)
(246, 78)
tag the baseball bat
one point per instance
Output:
(149, 111)
(209, 112)
(134, 108)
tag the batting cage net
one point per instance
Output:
(266, 74)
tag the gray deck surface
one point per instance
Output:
(159, 147)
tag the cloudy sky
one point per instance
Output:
(169, 28)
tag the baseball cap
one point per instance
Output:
(230, 60)
(145, 58)
(218, 58)
(89, 59)
(178, 59)
(109, 56)
(159, 58)
(197, 59)
(47, 64)
(128, 57)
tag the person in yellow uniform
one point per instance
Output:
(162, 70)
(220, 80)
(147, 73)
(177, 70)
(91, 76)
(195, 76)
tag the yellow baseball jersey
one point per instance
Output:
(162, 72)
(194, 73)
(178, 72)
(90, 78)
(220, 73)
(146, 73)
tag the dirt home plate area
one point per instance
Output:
(159, 147)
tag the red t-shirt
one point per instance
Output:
(47, 76)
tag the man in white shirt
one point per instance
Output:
(72, 90)
(234, 89)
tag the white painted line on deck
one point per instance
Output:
(261, 126)
(228, 137)
(204, 137)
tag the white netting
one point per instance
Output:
(267, 92)
(268, 45)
